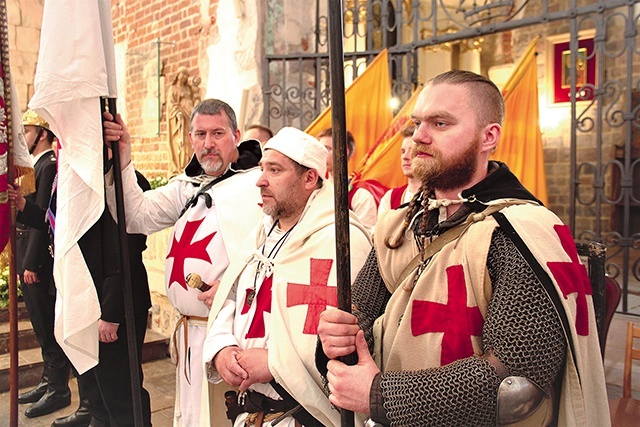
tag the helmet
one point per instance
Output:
(30, 117)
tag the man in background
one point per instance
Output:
(361, 201)
(259, 132)
(402, 195)
(35, 267)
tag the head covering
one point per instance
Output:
(32, 118)
(301, 148)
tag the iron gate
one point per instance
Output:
(599, 193)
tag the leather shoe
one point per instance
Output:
(50, 402)
(80, 418)
(34, 394)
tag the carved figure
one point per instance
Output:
(181, 98)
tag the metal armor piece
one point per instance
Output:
(521, 402)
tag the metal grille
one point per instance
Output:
(603, 147)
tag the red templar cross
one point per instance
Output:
(184, 248)
(263, 305)
(455, 319)
(317, 295)
(572, 278)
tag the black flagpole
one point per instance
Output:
(126, 275)
(340, 174)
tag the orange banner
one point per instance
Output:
(521, 137)
(382, 162)
(367, 108)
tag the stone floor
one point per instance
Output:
(160, 379)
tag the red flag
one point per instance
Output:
(12, 143)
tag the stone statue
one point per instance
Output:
(181, 98)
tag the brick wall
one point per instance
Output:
(155, 38)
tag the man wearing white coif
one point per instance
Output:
(264, 318)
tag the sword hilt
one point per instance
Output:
(195, 281)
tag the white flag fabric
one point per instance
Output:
(76, 66)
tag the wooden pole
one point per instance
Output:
(134, 366)
(340, 172)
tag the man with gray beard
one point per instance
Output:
(210, 207)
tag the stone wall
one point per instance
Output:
(24, 21)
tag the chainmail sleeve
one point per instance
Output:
(522, 329)
(369, 296)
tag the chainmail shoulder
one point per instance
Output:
(369, 296)
(522, 326)
(524, 332)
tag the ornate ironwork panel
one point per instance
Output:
(602, 148)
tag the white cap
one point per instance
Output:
(301, 148)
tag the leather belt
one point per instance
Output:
(184, 322)
(22, 233)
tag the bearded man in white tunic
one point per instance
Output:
(264, 318)
(209, 206)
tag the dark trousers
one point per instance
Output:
(40, 304)
(108, 384)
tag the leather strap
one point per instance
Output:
(184, 322)
(449, 236)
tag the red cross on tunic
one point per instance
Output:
(455, 319)
(317, 295)
(572, 278)
(185, 248)
(263, 305)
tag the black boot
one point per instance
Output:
(57, 396)
(82, 416)
(35, 394)
(50, 402)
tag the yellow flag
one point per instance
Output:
(520, 146)
(367, 108)
(382, 162)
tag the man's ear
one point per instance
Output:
(43, 135)
(311, 178)
(491, 137)
(236, 135)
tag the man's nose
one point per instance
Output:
(262, 181)
(209, 142)
(421, 135)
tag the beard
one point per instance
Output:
(210, 166)
(446, 174)
(287, 203)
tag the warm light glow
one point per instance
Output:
(394, 103)
(554, 119)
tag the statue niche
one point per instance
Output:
(182, 96)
